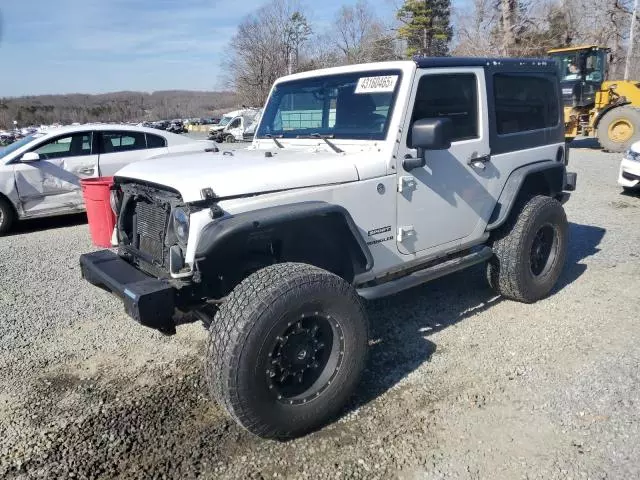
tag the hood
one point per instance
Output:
(244, 172)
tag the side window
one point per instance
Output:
(113, 142)
(155, 141)
(453, 96)
(68, 146)
(524, 103)
(235, 123)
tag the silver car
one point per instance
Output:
(40, 174)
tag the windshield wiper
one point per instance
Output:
(333, 146)
(275, 140)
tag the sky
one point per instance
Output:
(96, 46)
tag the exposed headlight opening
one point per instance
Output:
(180, 220)
(114, 202)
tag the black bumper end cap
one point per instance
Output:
(148, 300)
(570, 181)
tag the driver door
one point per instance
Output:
(52, 183)
(448, 201)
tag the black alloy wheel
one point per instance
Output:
(305, 358)
(543, 249)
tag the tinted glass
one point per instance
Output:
(453, 96)
(524, 103)
(67, 146)
(113, 142)
(353, 105)
(155, 141)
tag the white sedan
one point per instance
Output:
(40, 174)
(629, 175)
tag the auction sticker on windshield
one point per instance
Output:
(382, 83)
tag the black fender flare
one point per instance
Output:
(218, 234)
(554, 173)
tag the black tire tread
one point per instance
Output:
(234, 321)
(8, 214)
(503, 273)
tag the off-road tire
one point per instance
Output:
(241, 339)
(625, 113)
(7, 216)
(510, 270)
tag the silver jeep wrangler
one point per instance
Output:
(361, 181)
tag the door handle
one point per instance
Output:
(479, 162)
(87, 171)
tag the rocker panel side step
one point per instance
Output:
(422, 276)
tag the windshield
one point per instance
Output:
(16, 145)
(353, 105)
(224, 120)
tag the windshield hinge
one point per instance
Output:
(405, 231)
(406, 181)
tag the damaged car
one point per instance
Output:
(40, 174)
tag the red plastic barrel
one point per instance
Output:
(101, 218)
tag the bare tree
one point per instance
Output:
(474, 25)
(359, 36)
(602, 22)
(262, 49)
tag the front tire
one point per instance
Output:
(286, 349)
(7, 216)
(530, 251)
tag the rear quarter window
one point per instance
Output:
(524, 102)
(155, 141)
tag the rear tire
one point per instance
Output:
(619, 128)
(530, 251)
(7, 216)
(286, 349)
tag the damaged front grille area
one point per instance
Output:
(151, 224)
(144, 231)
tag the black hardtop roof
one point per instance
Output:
(492, 63)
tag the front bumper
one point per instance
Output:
(629, 174)
(148, 300)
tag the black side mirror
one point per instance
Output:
(428, 134)
(432, 134)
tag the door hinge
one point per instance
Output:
(405, 231)
(406, 181)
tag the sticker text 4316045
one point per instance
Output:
(382, 83)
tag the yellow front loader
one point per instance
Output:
(595, 106)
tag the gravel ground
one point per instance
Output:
(460, 383)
